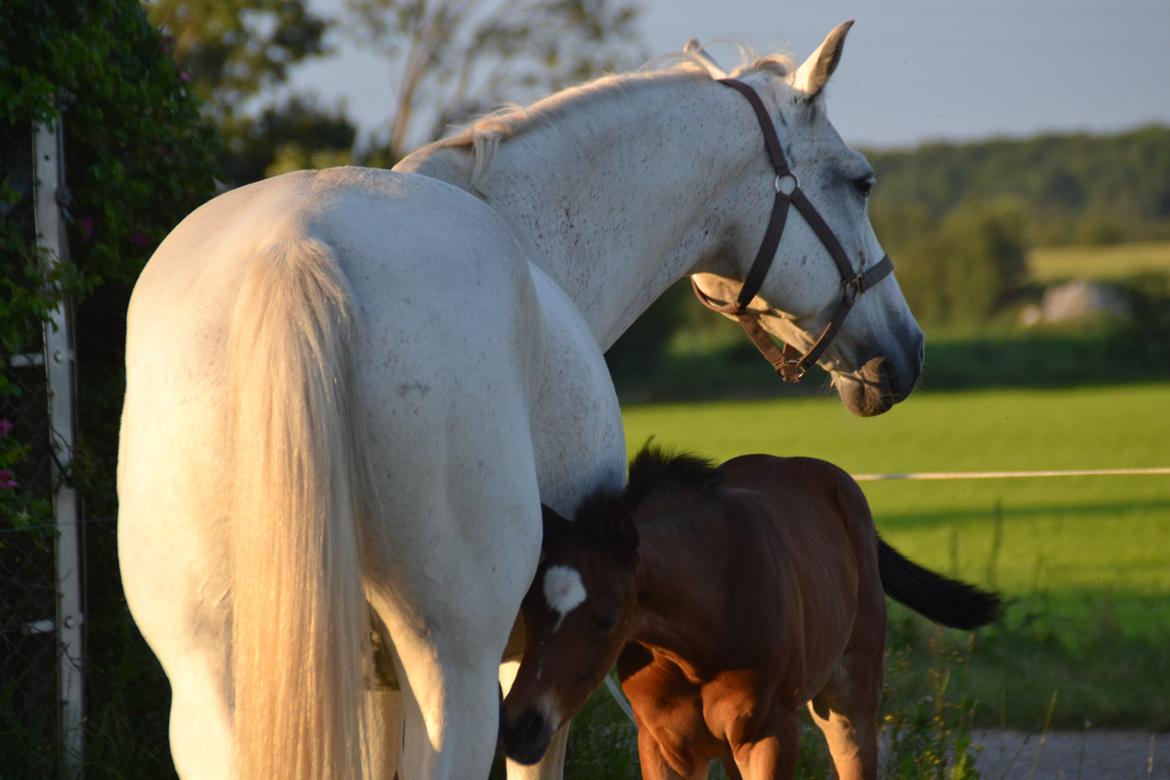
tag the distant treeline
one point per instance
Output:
(1071, 189)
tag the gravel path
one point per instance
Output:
(1067, 755)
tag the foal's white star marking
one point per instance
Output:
(563, 590)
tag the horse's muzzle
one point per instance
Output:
(526, 738)
(879, 383)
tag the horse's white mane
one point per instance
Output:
(485, 133)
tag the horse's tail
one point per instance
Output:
(300, 495)
(948, 602)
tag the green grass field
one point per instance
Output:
(1098, 262)
(1084, 563)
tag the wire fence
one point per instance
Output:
(29, 647)
(948, 476)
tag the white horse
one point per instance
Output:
(349, 391)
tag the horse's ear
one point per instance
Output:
(619, 532)
(555, 526)
(814, 73)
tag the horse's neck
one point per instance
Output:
(680, 590)
(623, 192)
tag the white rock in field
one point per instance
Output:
(1077, 300)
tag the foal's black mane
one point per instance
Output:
(654, 470)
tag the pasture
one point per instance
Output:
(1046, 264)
(1083, 563)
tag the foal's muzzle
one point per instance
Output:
(526, 738)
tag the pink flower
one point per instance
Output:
(5, 427)
(138, 238)
(87, 224)
(184, 76)
(7, 480)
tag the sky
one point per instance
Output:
(913, 70)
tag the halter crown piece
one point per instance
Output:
(788, 362)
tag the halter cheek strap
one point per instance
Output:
(788, 362)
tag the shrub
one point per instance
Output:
(962, 270)
(138, 157)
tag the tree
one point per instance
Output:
(962, 271)
(234, 52)
(460, 57)
(138, 156)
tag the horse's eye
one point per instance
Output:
(864, 185)
(603, 624)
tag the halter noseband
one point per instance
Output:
(789, 363)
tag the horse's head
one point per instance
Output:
(577, 615)
(876, 356)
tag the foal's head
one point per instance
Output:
(577, 615)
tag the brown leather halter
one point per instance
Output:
(789, 363)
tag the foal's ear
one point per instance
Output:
(813, 74)
(619, 532)
(555, 527)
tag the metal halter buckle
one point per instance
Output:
(851, 289)
(778, 182)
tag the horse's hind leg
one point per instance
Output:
(447, 582)
(846, 711)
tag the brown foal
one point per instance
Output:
(728, 597)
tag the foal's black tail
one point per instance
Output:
(948, 602)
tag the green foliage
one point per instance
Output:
(233, 50)
(643, 346)
(1078, 188)
(298, 133)
(929, 734)
(602, 742)
(962, 270)
(138, 157)
(234, 53)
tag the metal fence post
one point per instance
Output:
(50, 227)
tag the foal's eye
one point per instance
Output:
(864, 185)
(603, 624)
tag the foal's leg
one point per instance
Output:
(653, 763)
(846, 712)
(774, 754)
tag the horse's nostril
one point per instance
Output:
(529, 726)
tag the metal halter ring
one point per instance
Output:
(780, 177)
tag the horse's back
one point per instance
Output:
(807, 484)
